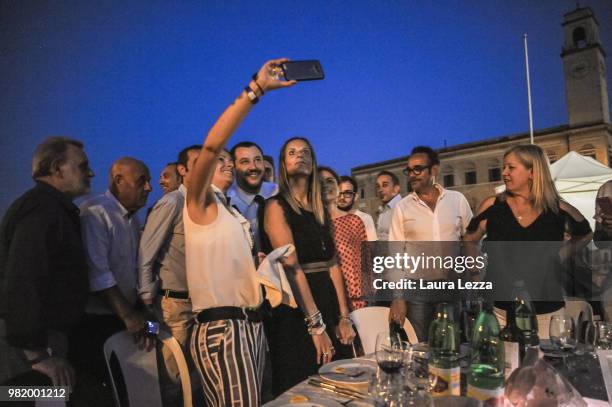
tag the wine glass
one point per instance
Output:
(389, 353)
(604, 335)
(390, 360)
(562, 332)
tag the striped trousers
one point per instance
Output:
(230, 355)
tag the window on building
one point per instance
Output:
(494, 174)
(469, 171)
(362, 193)
(579, 37)
(470, 177)
(494, 170)
(448, 180)
(448, 176)
(588, 150)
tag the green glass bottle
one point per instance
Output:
(486, 376)
(444, 373)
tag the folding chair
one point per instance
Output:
(369, 321)
(139, 370)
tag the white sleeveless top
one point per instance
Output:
(220, 268)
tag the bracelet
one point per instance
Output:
(345, 318)
(318, 329)
(251, 95)
(254, 77)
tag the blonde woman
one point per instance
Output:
(530, 209)
(301, 339)
(228, 342)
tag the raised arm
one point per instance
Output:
(199, 194)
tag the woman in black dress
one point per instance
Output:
(530, 209)
(300, 339)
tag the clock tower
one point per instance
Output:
(584, 68)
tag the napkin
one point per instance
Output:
(272, 276)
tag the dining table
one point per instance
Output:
(583, 371)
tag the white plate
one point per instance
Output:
(340, 371)
(595, 403)
(313, 401)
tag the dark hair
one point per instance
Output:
(391, 175)
(244, 144)
(269, 159)
(183, 156)
(175, 168)
(50, 154)
(346, 178)
(431, 154)
(331, 171)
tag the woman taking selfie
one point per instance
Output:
(217, 251)
(301, 339)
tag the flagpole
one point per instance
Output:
(528, 90)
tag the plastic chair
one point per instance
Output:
(139, 369)
(369, 321)
(574, 306)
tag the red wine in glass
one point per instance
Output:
(390, 366)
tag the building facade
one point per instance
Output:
(475, 168)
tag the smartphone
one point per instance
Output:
(605, 204)
(152, 328)
(309, 70)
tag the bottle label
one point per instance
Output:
(489, 397)
(444, 382)
(511, 352)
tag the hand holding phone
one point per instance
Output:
(308, 70)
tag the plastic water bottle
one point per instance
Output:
(444, 373)
(486, 376)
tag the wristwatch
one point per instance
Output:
(251, 95)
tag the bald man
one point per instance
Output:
(111, 232)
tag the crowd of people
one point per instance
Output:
(71, 276)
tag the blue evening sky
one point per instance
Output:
(145, 78)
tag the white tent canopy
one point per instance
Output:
(578, 178)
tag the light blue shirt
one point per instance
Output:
(110, 236)
(245, 203)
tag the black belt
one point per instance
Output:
(220, 313)
(179, 295)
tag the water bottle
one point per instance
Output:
(444, 374)
(486, 376)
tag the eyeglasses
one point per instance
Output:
(348, 194)
(417, 170)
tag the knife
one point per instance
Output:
(336, 389)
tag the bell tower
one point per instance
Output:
(584, 67)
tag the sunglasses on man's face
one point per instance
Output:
(416, 170)
(347, 194)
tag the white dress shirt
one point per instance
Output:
(110, 237)
(384, 217)
(413, 220)
(368, 222)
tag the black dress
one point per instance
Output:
(537, 264)
(292, 351)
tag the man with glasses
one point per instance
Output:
(429, 213)
(387, 189)
(347, 199)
